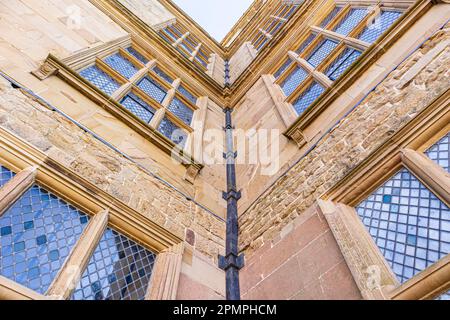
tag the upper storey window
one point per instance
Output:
(270, 27)
(187, 44)
(328, 50)
(145, 89)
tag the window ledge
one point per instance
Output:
(54, 66)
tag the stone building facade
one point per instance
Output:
(113, 182)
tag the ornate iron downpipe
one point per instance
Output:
(232, 262)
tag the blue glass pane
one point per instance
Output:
(199, 60)
(410, 225)
(119, 269)
(350, 21)
(330, 17)
(444, 297)
(173, 132)
(172, 35)
(5, 175)
(182, 111)
(308, 97)
(100, 79)
(153, 89)
(306, 43)
(138, 107)
(323, 49)
(280, 71)
(121, 65)
(137, 55)
(372, 32)
(293, 80)
(440, 152)
(37, 234)
(163, 75)
(187, 94)
(342, 63)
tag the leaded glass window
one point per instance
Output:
(280, 71)
(187, 94)
(138, 107)
(181, 110)
(440, 152)
(163, 75)
(122, 65)
(350, 21)
(444, 297)
(306, 43)
(137, 55)
(100, 79)
(342, 63)
(173, 132)
(119, 269)
(36, 236)
(372, 32)
(323, 49)
(410, 225)
(153, 89)
(330, 17)
(308, 97)
(293, 80)
(5, 175)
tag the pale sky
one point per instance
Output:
(217, 17)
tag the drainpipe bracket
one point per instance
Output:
(232, 194)
(225, 155)
(231, 261)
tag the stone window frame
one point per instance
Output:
(405, 149)
(317, 74)
(68, 70)
(32, 166)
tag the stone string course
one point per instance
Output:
(391, 105)
(65, 143)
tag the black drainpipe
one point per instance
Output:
(232, 262)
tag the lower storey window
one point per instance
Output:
(410, 225)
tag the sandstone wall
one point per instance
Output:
(241, 60)
(151, 12)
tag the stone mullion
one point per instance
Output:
(72, 270)
(16, 187)
(429, 172)
(166, 274)
(279, 18)
(266, 34)
(317, 75)
(161, 113)
(352, 42)
(195, 52)
(194, 142)
(10, 290)
(180, 40)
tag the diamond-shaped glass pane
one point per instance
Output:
(308, 97)
(138, 107)
(379, 25)
(342, 63)
(323, 49)
(280, 71)
(36, 235)
(306, 43)
(181, 110)
(163, 75)
(293, 80)
(440, 152)
(350, 21)
(100, 79)
(153, 89)
(173, 132)
(187, 94)
(5, 175)
(330, 17)
(137, 55)
(410, 225)
(444, 297)
(119, 269)
(122, 65)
